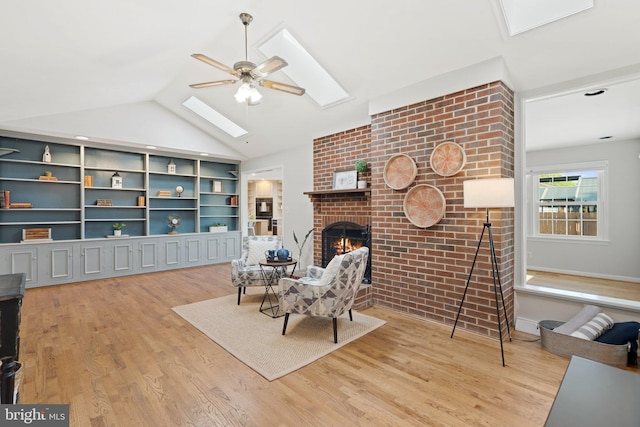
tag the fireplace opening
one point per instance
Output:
(342, 237)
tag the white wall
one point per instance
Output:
(297, 177)
(618, 257)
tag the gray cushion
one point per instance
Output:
(573, 324)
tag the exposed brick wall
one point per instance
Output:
(418, 271)
(333, 153)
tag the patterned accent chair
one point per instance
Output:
(328, 292)
(246, 271)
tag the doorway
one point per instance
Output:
(263, 203)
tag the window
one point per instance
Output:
(568, 202)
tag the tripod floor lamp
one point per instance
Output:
(488, 193)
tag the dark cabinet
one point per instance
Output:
(11, 293)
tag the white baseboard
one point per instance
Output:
(527, 326)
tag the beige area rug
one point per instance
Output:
(256, 339)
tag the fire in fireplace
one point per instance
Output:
(342, 237)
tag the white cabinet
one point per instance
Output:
(264, 189)
(72, 261)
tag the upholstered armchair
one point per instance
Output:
(327, 292)
(246, 271)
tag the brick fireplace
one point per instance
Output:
(419, 271)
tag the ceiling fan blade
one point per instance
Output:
(270, 84)
(214, 63)
(269, 66)
(216, 83)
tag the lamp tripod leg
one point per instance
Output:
(466, 288)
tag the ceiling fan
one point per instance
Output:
(249, 73)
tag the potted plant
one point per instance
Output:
(218, 227)
(117, 228)
(361, 166)
(300, 246)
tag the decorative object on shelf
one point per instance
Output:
(36, 235)
(345, 179)
(218, 228)
(171, 167)
(20, 205)
(104, 202)
(179, 190)
(88, 181)
(46, 156)
(216, 186)
(117, 228)
(361, 166)
(7, 199)
(489, 193)
(2, 206)
(116, 180)
(233, 201)
(447, 159)
(47, 176)
(399, 172)
(173, 221)
(164, 193)
(424, 205)
(141, 201)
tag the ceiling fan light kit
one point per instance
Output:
(250, 74)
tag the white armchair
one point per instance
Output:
(327, 292)
(246, 271)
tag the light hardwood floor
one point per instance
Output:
(588, 285)
(115, 352)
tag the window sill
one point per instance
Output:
(599, 300)
(569, 240)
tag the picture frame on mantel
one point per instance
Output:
(345, 179)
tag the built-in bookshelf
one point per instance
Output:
(79, 191)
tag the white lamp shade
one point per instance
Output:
(489, 193)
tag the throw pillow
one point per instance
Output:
(594, 328)
(331, 270)
(573, 324)
(257, 248)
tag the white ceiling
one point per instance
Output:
(118, 71)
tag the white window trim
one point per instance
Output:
(533, 227)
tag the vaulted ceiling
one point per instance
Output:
(118, 71)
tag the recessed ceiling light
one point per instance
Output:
(595, 92)
(82, 138)
(213, 117)
(204, 154)
(151, 147)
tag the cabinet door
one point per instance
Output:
(264, 189)
(192, 248)
(148, 255)
(212, 246)
(231, 247)
(25, 261)
(92, 261)
(171, 253)
(59, 268)
(122, 257)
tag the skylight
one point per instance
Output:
(524, 15)
(303, 69)
(213, 117)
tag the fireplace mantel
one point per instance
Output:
(334, 192)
